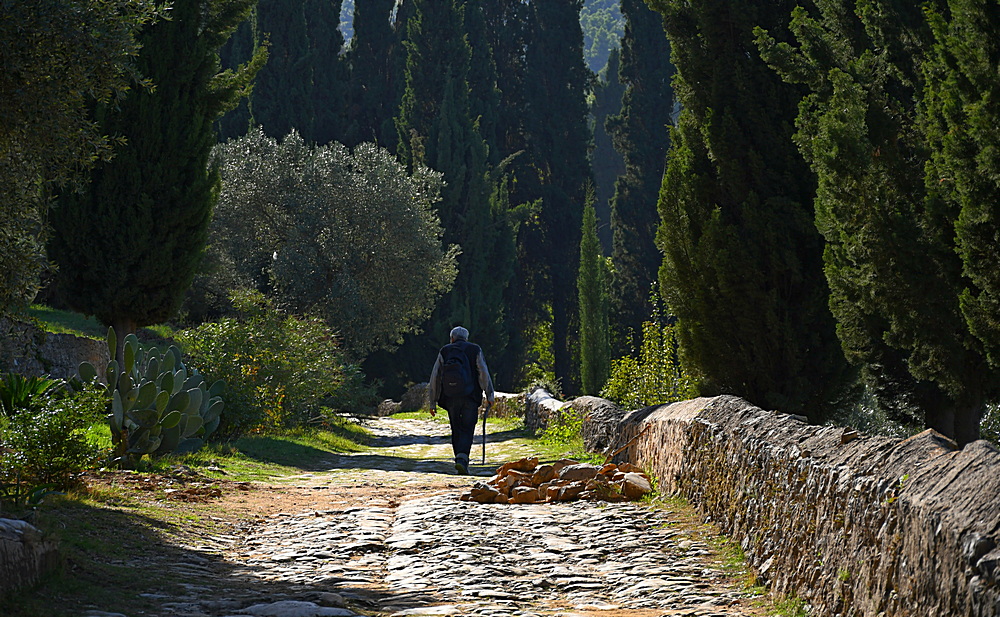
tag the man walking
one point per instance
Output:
(458, 381)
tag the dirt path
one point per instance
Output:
(383, 533)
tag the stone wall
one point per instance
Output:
(855, 525)
(24, 555)
(26, 350)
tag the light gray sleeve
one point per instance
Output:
(484, 377)
(434, 384)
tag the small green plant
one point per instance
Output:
(47, 447)
(18, 391)
(843, 575)
(563, 428)
(791, 606)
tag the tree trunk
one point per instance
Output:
(123, 327)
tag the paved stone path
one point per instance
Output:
(435, 555)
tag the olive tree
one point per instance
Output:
(350, 236)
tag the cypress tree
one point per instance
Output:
(282, 95)
(595, 356)
(742, 267)
(240, 47)
(960, 112)
(559, 141)
(606, 162)
(891, 257)
(435, 129)
(641, 134)
(329, 76)
(484, 96)
(376, 61)
(128, 245)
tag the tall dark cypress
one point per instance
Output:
(484, 96)
(558, 140)
(595, 357)
(328, 72)
(376, 61)
(607, 163)
(435, 129)
(641, 133)
(129, 244)
(742, 267)
(282, 99)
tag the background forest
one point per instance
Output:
(793, 202)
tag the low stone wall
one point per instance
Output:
(539, 407)
(24, 555)
(26, 350)
(505, 405)
(855, 525)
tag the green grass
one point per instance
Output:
(790, 606)
(264, 457)
(67, 322)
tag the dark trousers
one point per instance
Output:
(463, 414)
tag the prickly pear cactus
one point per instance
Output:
(158, 405)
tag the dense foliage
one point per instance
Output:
(351, 237)
(129, 243)
(280, 370)
(602, 25)
(45, 441)
(46, 137)
(742, 267)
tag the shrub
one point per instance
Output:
(47, 443)
(18, 391)
(279, 369)
(656, 376)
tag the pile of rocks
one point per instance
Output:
(525, 481)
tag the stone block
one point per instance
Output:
(25, 555)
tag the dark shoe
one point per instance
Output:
(461, 468)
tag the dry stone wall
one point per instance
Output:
(856, 525)
(26, 350)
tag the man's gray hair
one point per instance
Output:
(459, 333)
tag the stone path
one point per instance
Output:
(435, 555)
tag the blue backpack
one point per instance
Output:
(456, 372)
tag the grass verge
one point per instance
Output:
(67, 322)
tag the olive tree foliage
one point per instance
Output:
(56, 56)
(349, 236)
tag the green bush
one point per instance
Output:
(656, 376)
(18, 391)
(280, 370)
(47, 444)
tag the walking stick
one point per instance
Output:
(485, 413)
